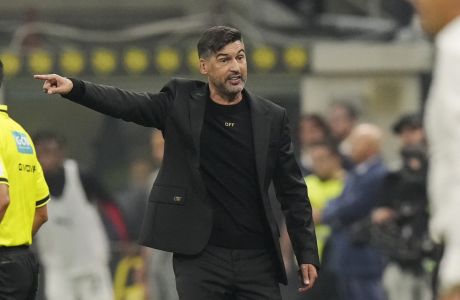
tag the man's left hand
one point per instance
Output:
(308, 275)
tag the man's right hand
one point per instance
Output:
(55, 84)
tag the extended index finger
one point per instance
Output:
(45, 76)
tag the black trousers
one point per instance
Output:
(18, 274)
(226, 274)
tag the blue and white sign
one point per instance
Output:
(22, 142)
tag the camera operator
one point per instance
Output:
(400, 227)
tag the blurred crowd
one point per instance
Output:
(371, 219)
(371, 215)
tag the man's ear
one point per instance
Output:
(203, 66)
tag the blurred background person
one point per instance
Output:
(342, 118)
(326, 180)
(130, 278)
(132, 198)
(160, 274)
(402, 228)
(24, 199)
(441, 19)
(74, 249)
(324, 184)
(410, 132)
(402, 217)
(157, 273)
(157, 146)
(409, 129)
(357, 265)
(312, 129)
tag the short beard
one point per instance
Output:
(225, 93)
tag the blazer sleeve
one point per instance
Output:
(291, 191)
(146, 109)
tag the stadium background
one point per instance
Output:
(301, 53)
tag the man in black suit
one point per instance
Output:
(223, 147)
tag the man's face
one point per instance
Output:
(226, 70)
(432, 14)
(310, 133)
(50, 156)
(324, 163)
(412, 136)
(359, 148)
(340, 122)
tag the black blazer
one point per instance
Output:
(178, 217)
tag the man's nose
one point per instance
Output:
(234, 65)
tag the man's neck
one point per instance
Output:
(225, 99)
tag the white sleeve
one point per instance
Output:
(444, 139)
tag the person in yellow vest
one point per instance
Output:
(23, 208)
(326, 182)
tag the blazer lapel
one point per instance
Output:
(197, 109)
(261, 135)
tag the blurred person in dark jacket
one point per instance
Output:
(409, 128)
(401, 228)
(357, 265)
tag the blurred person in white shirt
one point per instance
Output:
(441, 19)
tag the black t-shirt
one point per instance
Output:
(229, 172)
